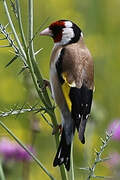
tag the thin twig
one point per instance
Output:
(13, 5)
(11, 42)
(98, 158)
(38, 51)
(18, 111)
(50, 124)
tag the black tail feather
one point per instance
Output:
(81, 99)
(82, 129)
(63, 153)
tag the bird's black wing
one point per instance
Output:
(81, 99)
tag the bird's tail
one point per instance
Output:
(80, 124)
(82, 127)
(63, 153)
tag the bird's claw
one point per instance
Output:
(46, 84)
(57, 129)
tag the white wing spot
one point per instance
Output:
(61, 160)
(59, 154)
(87, 116)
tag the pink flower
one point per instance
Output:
(7, 148)
(21, 154)
(11, 150)
(114, 127)
(114, 160)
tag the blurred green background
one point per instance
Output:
(100, 23)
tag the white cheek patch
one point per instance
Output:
(68, 24)
(68, 32)
(81, 34)
(67, 35)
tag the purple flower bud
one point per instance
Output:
(21, 154)
(7, 148)
(11, 150)
(114, 127)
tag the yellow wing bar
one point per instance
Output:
(66, 90)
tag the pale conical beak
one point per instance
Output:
(46, 32)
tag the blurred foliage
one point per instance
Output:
(100, 22)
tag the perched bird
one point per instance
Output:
(72, 83)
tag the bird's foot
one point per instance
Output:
(46, 84)
(57, 129)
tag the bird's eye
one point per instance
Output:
(56, 28)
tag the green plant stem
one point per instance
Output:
(32, 55)
(27, 150)
(25, 48)
(71, 162)
(17, 112)
(26, 51)
(2, 176)
(20, 25)
(14, 32)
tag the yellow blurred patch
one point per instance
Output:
(11, 90)
(97, 51)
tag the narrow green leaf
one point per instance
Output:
(38, 51)
(50, 124)
(4, 46)
(86, 169)
(12, 60)
(102, 177)
(23, 69)
(6, 25)
(3, 38)
(13, 5)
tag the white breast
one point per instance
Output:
(53, 74)
(55, 84)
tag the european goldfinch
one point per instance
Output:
(72, 83)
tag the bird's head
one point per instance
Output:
(63, 32)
